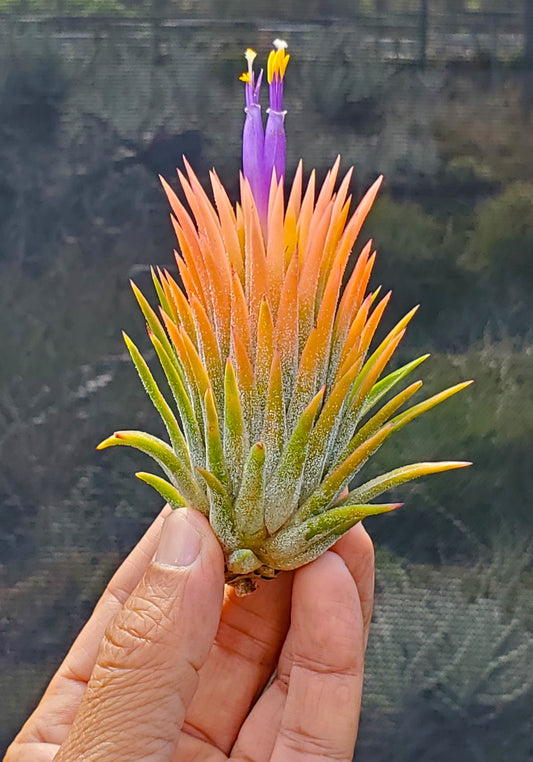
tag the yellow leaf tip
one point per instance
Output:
(452, 464)
(109, 441)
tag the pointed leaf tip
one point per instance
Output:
(166, 490)
(128, 342)
(110, 441)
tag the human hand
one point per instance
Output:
(169, 667)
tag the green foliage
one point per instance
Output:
(444, 662)
(490, 424)
(466, 171)
(482, 125)
(33, 90)
(501, 242)
(404, 232)
(76, 7)
(419, 254)
(347, 91)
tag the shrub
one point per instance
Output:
(446, 670)
(501, 242)
(418, 253)
(490, 424)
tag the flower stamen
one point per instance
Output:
(263, 151)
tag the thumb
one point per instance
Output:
(147, 666)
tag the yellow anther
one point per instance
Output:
(245, 77)
(277, 61)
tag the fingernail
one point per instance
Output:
(179, 544)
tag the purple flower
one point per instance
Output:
(264, 152)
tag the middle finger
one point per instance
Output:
(243, 657)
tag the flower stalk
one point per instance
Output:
(263, 150)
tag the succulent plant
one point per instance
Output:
(268, 359)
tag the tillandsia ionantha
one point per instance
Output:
(278, 394)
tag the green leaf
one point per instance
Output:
(342, 518)
(325, 431)
(166, 490)
(193, 433)
(235, 435)
(365, 380)
(391, 479)
(216, 462)
(382, 387)
(281, 494)
(422, 407)
(167, 459)
(301, 543)
(274, 429)
(243, 561)
(379, 419)
(152, 319)
(169, 308)
(221, 511)
(341, 475)
(248, 508)
(179, 444)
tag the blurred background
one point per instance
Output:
(99, 96)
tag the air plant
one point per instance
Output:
(279, 391)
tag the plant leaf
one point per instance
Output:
(221, 511)
(301, 543)
(164, 456)
(391, 479)
(248, 508)
(235, 435)
(193, 432)
(152, 319)
(179, 445)
(281, 494)
(422, 407)
(166, 490)
(382, 387)
(338, 478)
(381, 417)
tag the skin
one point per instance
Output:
(172, 666)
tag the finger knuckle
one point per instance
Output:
(315, 747)
(139, 624)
